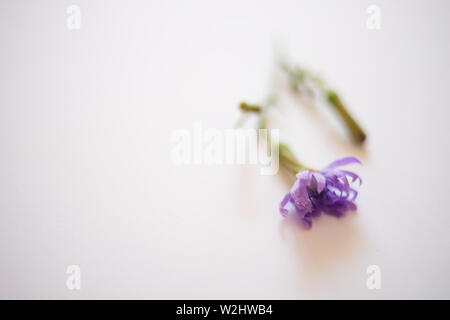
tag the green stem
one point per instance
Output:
(297, 77)
(250, 107)
(357, 133)
(289, 161)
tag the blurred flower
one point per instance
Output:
(326, 191)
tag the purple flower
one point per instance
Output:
(327, 191)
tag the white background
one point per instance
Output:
(86, 176)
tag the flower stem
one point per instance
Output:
(357, 133)
(250, 107)
(289, 161)
(298, 78)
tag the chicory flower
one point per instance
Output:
(326, 191)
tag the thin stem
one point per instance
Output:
(357, 133)
(250, 107)
(289, 161)
(297, 78)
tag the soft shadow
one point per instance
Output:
(327, 246)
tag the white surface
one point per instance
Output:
(86, 176)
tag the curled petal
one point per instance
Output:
(304, 175)
(283, 204)
(352, 175)
(299, 193)
(321, 181)
(353, 194)
(342, 162)
(342, 178)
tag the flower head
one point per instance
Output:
(326, 191)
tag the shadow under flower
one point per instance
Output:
(330, 244)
